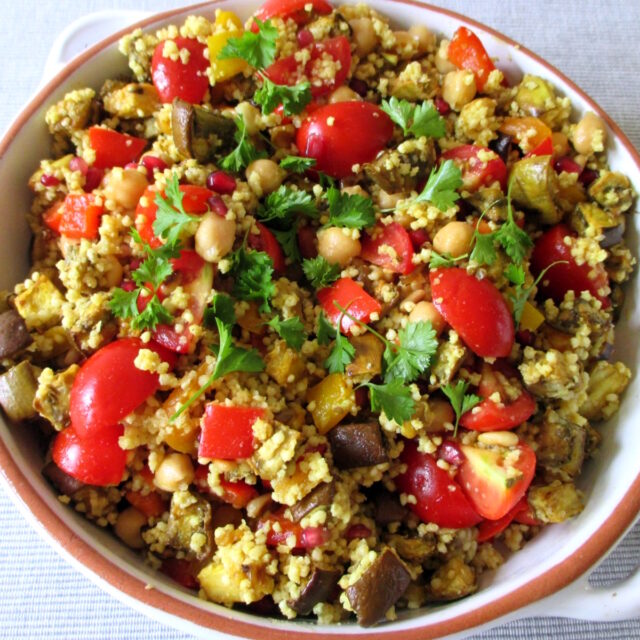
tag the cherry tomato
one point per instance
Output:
(350, 296)
(496, 479)
(289, 71)
(227, 431)
(151, 504)
(439, 498)
(489, 529)
(466, 51)
(176, 79)
(525, 514)
(237, 494)
(491, 416)
(181, 571)
(109, 386)
(475, 309)
(266, 241)
(358, 131)
(114, 149)
(571, 276)
(545, 148)
(96, 460)
(394, 236)
(476, 172)
(529, 133)
(294, 9)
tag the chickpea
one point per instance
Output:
(388, 200)
(560, 144)
(443, 64)
(214, 237)
(128, 527)
(364, 35)
(337, 246)
(174, 473)
(589, 135)
(343, 94)
(426, 311)
(124, 187)
(454, 238)
(355, 190)
(459, 88)
(250, 115)
(440, 412)
(425, 39)
(406, 44)
(264, 176)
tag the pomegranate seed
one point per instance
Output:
(358, 531)
(525, 337)
(313, 537)
(450, 452)
(221, 182)
(362, 396)
(48, 180)
(359, 86)
(128, 285)
(304, 37)
(92, 178)
(588, 176)
(131, 165)
(418, 238)
(153, 163)
(78, 164)
(567, 165)
(217, 205)
(442, 106)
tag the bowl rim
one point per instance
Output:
(554, 579)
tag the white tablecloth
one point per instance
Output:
(594, 43)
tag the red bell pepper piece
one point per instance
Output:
(114, 149)
(77, 216)
(350, 296)
(466, 51)
(227, 432)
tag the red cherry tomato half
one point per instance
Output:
(114, 149)
(477, 172)
(176, 79)
(350, 296)
(571, 276)
(439, 498)
(491, 416)
(525, 515)
(227, 431)
(489, 529)
(266, 241)
(390, 247)
(466, 51)
(495, 480)
(96, 460)
(109, 386)
(358, 131)
(475, 309)
(294, 9)
(545, 148)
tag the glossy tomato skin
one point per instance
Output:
(359, 131)
(97, 460)
(391, 235)
(571, 276)
(351, 296)
(173, 79)
(491, 416)
(294, 9)
(439, 497)
(109, 386)
(477, 173)
(266, 241)
(489, 529)
(475, 309)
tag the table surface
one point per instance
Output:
(44, 597)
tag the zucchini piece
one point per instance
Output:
(17, 391)
(535, 187)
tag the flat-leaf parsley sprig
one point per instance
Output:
(172, 221)
(416, 120)
(442, 185)
(461, 401)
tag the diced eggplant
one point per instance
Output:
(14, 335)
(52, 397)
(133, 100)
(588, 217)
(368, 356)
(555, 502)
(17, 391)
(607, 382)
(320, 588)
(535, 187)
(613, 191)
(379, 588)
(561, 448)
(63, 482)
(321, 496)
(190, 514)
(357, 445)
(388, 508)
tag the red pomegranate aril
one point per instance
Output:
(304, 37)
(588, 176)
(221, 182)
(92, 178)
(567, 165)
(450, 452)
(217, 205)
(153, 164)
(78, 164)
(128, 285)
(359, 86)
(131, 165)
(358, 531)
(442, 106)
(48, 180)
(418, 238)
(313, 537)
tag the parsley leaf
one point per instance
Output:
(288, 240)
(460, 400)
(353, 211)
(221, 307)
(418, 344)
(438, 260)
(253, 276)
(171, 218)
(291, 331)
(325, 331)
(258, 49)
(283, 204)
(319, 272)
(393, 399)
(342, 353)
(297, 164)
(244, 154)
(514, 240)
(483, 250)
(441, 186)
(293, 98)
(515, 274)
(417, 120)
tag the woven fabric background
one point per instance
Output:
(593, 43)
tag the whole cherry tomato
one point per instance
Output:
(439, 498)
(177, 79)
(342, 134)
(570, 276)
(294, 9)
(385, 236)
(109, 386)
(475, 309)
(266, 241)
(477, 172)
(96, 459)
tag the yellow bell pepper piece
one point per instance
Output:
(531, 318)
(330, 401)
(227, 25)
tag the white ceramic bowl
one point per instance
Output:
(557, 557)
